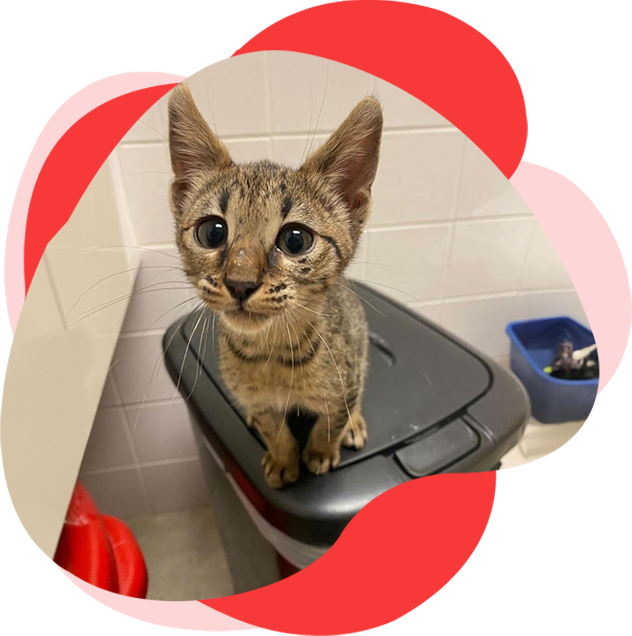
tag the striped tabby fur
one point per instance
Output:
(293, 333)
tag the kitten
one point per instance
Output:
(265, 247)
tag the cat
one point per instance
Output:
(265, 247)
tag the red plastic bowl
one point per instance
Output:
(100, 549)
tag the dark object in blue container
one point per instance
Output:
(533, 347)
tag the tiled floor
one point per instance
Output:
(539, 440)
(184, 555)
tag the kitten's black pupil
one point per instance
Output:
(212, 233)
(215, 234)
(294, 241)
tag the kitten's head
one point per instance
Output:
(259, 240)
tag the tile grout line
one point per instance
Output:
(150, 464)
(115, 388)
(267, 87)
(137, 464)
(451, 238)
(523, 269)
(449, 221)
(390, 132)
(493, 296)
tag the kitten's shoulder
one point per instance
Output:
(343, 298)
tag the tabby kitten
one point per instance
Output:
(265, 247)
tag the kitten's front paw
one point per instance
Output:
(320, 461)
(279, 471)
(356, 433)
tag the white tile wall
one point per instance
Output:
(487, 257)
(483, 189)
(233, 95)
(310, 93)
(399, 258)
(146, 173)
(481, 320)
(162, 291)
(110, 444)
(162, 431)
(417, 177)
(542, 265)
(172, 485)
(118, 492)
(449, 236)
(404, 111)
(138, 370)
(152, 125)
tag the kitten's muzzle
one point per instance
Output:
(241, 290)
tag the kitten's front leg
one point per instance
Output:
(322, 452)
(281, 461)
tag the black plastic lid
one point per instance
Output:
(420, 382)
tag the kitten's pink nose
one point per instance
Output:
(244, 271)
(241, 290)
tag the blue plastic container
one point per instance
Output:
(533, 347)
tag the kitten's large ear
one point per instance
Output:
(193, 147)
(349, 158)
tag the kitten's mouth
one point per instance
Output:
(245, 319)
(244, 313)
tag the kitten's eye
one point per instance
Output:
(211, 233)
(294, 239)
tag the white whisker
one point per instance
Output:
(401, 291)
(342, 382)
(364, 300)
(125, 271)
(289, 393)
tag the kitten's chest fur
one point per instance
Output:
(302, 361)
